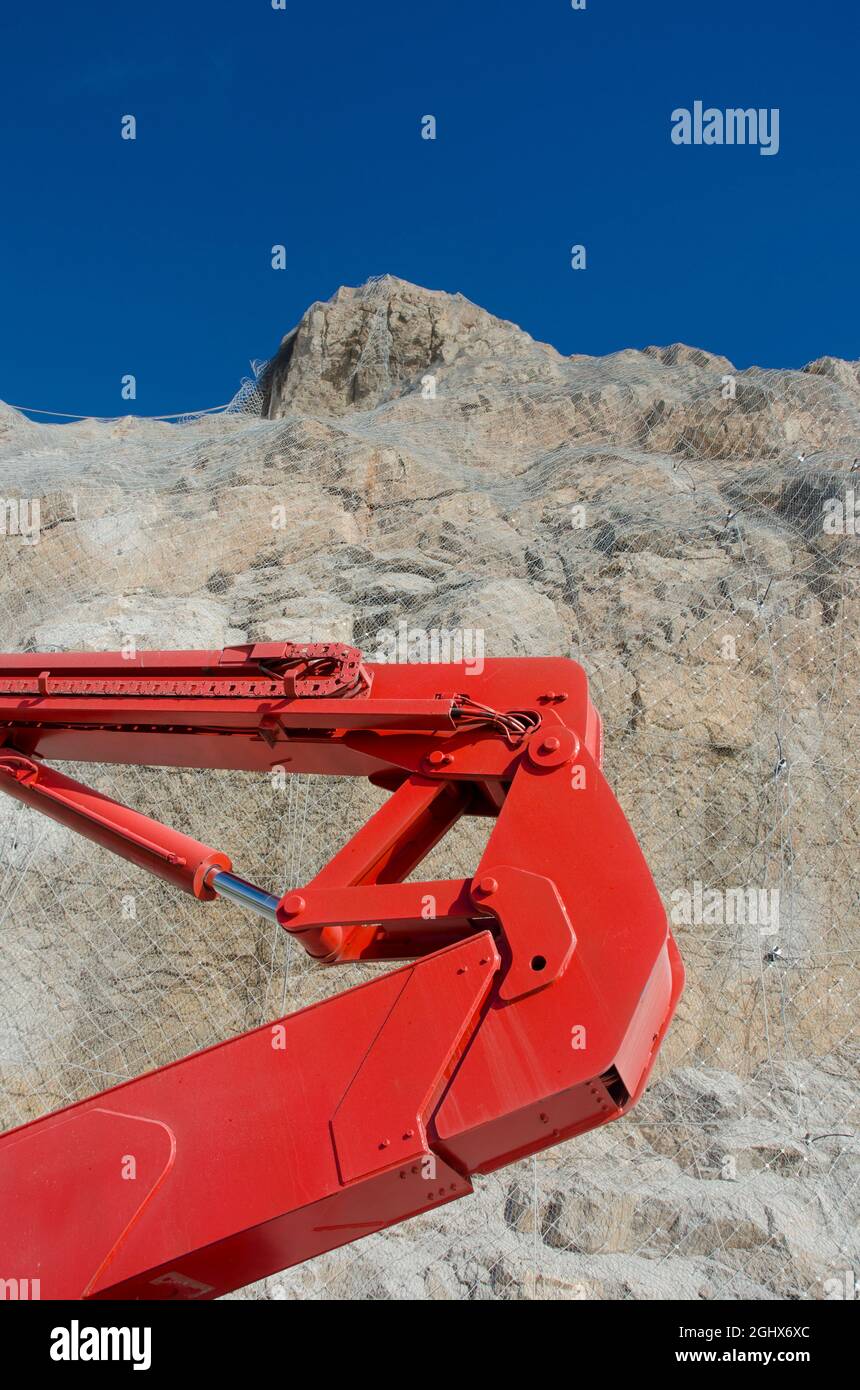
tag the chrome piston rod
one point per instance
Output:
(238, 890)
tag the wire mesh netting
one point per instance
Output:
(683, 530)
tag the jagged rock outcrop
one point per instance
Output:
(365, 346)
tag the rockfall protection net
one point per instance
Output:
(672, 524)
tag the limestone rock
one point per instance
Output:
(408, 461)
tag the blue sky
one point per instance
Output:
(302, 127)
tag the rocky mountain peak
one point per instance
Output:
(367, 345)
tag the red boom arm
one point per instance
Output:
(537, 994)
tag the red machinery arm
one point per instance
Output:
(536, 997)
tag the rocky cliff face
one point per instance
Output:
(657, 515)
(367, 346)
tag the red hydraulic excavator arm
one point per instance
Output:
(534, 998)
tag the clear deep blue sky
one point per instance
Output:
(301, 127)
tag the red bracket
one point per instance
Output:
(382, 1119)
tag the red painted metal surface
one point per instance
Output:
(538, 992)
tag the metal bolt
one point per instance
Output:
(294, 903)
(439, 759)
(487, 885)
(550, 745)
